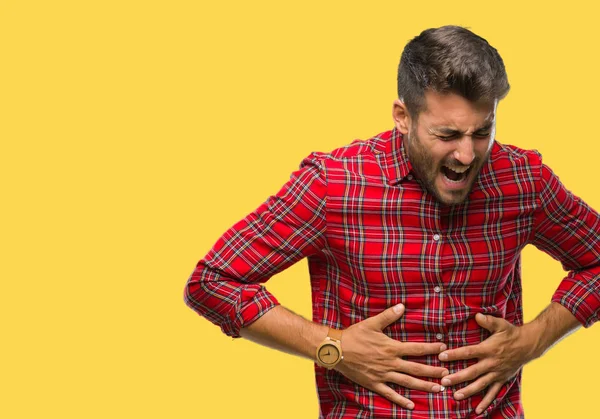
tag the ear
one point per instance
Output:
(401, 117)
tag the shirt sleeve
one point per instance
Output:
(569, 230)
(225, 287)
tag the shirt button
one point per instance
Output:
(409, 177)
(439, 336)
(437, 289)
(436, 237)
(442, 388)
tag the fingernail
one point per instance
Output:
(478, 410)
(445, 373)
(446, 382)
(444, 356)
(410, 406)
(443, 348)
(436, 388)
(459, 396)
(398, 308)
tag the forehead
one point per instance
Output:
(452, 110)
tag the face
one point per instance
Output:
(449, 143)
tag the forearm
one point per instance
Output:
(549, 327)
(285, 331)
(371, 359)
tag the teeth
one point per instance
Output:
(458, 169)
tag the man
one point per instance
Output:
(413, 239)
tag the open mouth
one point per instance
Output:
(456, 174)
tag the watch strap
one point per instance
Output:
(334, 334)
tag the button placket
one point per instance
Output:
(437, 289)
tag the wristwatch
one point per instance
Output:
(329, 352)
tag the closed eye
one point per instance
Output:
(447, 137)
(455, 136)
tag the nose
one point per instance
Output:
(465, 151)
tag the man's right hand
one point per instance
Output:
(372, 359)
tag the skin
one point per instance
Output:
(451, 131)
(506, 351)
(371, 358)
(454, 131)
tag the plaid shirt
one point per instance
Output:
(374, 237)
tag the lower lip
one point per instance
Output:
(455, 185)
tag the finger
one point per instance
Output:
(466, 352)
(489, 397)
(413, 383)
(386, 317)
(420, 370)
(470, 373)
(475, 387)
(491, 323)
(387, 392)
(419, 349)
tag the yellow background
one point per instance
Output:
(135, 132)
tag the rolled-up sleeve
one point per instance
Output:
(569, 230)
(226, 285)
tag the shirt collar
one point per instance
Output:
(393, 158)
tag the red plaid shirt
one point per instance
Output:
(374, 237)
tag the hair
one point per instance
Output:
(450, 59)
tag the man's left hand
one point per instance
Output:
(500, 357)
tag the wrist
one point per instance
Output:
(317, 337)
(532, 334)
(329, 352)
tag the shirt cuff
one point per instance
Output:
(255, 301)
(580, 294)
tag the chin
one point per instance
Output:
(448, 198)
(455, 201)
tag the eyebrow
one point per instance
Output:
(451, 131)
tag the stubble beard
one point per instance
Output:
(423, 166)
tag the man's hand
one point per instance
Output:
(372, 359)
(500, 357)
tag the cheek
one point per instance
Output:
(440, 155)
(482, 147)
(433, 158)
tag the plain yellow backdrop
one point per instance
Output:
(135, 132)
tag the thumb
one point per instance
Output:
(491, 323)
(387, 317)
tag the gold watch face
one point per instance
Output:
(328, 354)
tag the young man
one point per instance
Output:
(413, 239)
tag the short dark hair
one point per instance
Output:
(450, 59)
